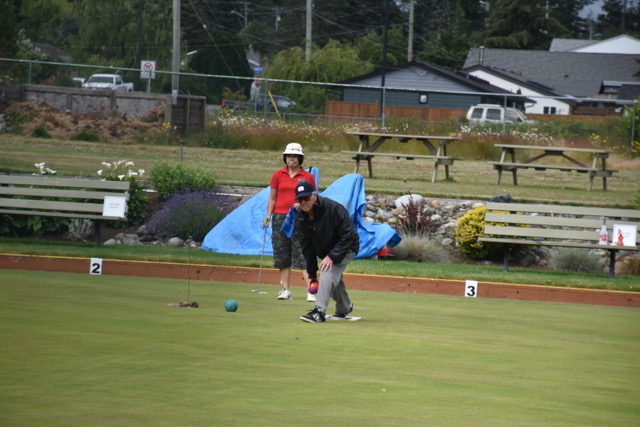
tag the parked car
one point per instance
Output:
(107, 81)
(493, 113)
(282, 102)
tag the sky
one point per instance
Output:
(596, 8)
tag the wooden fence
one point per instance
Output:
(350, 110)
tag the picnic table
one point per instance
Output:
(509, 163)
(370, 142)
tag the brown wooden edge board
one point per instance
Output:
(354, 281)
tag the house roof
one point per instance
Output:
(622, 44)
(520, 81)
(396, 78)
(563, 73)
(566, 45)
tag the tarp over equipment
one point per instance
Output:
(241, 231)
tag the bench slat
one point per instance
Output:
(398, 155)
(51, 205)
(60, 215)
(59, 193)
(566, 210)
(541, 233)
(508, 166)
(51, 181)
(555, 243)
(552, 221)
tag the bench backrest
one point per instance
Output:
(61, 197)
(555, 222)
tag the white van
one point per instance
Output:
(494, 113)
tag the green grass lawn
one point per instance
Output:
(107, 350)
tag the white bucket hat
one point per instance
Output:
(293, 148)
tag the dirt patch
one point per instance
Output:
(103, 125)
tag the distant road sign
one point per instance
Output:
(148, 70)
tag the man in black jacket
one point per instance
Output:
(327, 233)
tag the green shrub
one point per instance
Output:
(468, 229)
(575, 259)
(169, 180)
(420, 248)
(40, 132)
(191, 214)
(86, 136)
(30, 226)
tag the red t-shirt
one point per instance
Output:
(286, 187)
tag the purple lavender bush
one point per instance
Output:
(190, 214)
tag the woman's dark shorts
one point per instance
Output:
(286, 252)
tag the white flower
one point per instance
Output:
(100, 172)
(106, 164)
(39, 165)
(141, 172)
(129, 164)
(120, 177)
(51, 171)
(131, 173)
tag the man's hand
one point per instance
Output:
(326, 264)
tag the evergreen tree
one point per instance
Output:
(521, 24)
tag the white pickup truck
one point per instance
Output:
(107, 81)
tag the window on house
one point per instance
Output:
(550, 110)
(423, 98)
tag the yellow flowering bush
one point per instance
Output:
(468, 229)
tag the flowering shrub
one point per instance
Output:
(169, 180)
(190, 214)
(122, 170)
(471, 226)
(417, 219)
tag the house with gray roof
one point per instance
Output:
(622, 44)
(417, 84)
(558, 81)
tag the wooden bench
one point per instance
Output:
(49, 195)
(598, 168)
(553, 225)
(439, 160)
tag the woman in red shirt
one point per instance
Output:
(287, 251)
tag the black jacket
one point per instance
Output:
(330, 233)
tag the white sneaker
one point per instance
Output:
(311, 297)
(284, 294)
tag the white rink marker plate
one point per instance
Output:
(348, 318)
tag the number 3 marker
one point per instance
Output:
(471, 289)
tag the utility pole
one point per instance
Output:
(140, 24)
(175, 63)
(410, 42)
(307, 41)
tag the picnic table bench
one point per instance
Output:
(80, 198)
(560, 226)
(368, 150)
(508, 162)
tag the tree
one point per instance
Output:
(521, 24)
(370, 48)
(220, 56)
(618, 17)
(8, 31)
(332, 63)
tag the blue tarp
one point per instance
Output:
(241, 231)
